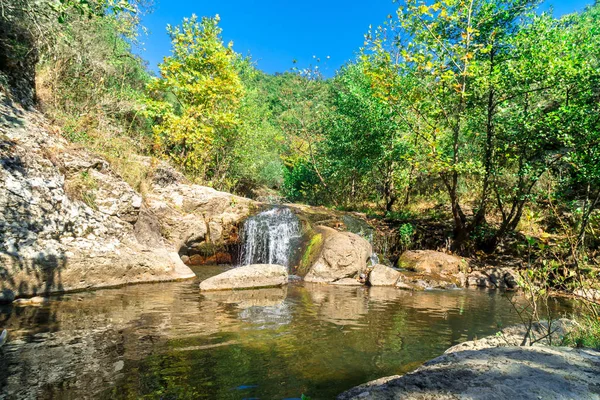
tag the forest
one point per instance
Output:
(481, 116)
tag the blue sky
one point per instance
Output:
(276, 32)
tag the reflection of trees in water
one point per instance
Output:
(173, 342)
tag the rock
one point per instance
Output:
(494, 373)
(216, 258)
(428, 261)
(248, 276)
(382, 275)
(347, 282)
(7, 296)
(341, 255)
(33, 301)
(416, 281)
(493, 278)
(588, 293)
(196, 220)
(479, 279)
(513, 336)
(67, 221)
(482, 370)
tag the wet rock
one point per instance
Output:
(382, 275)
(493, 278)
(341, 255)
(248, 276)
(347, 282)
(416, 281)
(479, 279)
(428, 261)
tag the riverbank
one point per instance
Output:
(496, 367)
(69, 222)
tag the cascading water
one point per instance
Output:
(270, 237)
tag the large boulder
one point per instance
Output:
(338, 255)
(383, 276)
(432, 262)
(496, 368)
(248, 276)
(527, 373)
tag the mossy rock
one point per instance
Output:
(311, 252)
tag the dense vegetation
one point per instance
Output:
(484, 115)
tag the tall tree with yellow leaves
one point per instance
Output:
(196, 100)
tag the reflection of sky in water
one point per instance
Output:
(171, 341)
(267, 317)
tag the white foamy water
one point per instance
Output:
(270, 237)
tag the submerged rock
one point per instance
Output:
(339, 255)
(248, 276)
(494, 368)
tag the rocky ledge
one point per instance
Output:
(69, 222)
(496, 368)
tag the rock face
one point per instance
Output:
(383, 276)
(67, 221)
(341, 255)
(249, 276)
(200, 223)
(478, 370)
(429, 261)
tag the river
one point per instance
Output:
(169, 341)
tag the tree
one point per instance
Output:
(363, 140)
(471, 62)
(196, 100)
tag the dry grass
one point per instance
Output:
(82, 187)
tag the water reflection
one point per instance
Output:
(170, 341)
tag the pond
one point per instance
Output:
(169, 341)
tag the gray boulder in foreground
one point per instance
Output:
(248, 276)
(476, 371)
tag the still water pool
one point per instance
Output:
(169, 341)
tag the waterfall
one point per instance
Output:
(270, 237)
